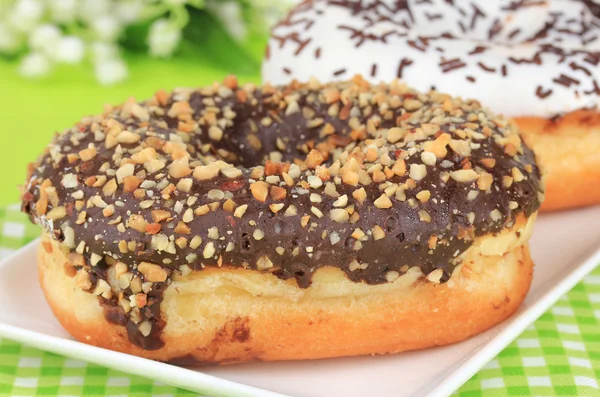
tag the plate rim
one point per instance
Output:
(464, 370)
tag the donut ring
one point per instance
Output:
(163, 237)
(546, 52)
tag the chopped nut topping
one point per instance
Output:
(428, 158)
(378, 233)
(260, 190)
(392, 276)
(517, 175)
(264, 263)
(423, 196)
(196, 242)
(464, 175)
(278, 193)
(339, 215)
(383, 202)
(314, 181)
(417, 171)
(359, 194)
(124, 171)
(209, 250)
(240, 211)
(424, 216)
(56, 213)
(485, 181)
(152, 272)
(395, 134)
(258, 234)
(185, 185)
(88, 154)
(206, 172)
(215, 133)
(495, 215)
(435, 276)
(342, 201)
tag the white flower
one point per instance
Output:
(110, 71)
(129, 11)
(69, 49)
(273, 11)
(163, 38)
(101, 51)
(90, 10)
(63, 11)
(230, 15)
(107, 28)
(34, 64)
(25, 15)
(44, 38)
(10, 41)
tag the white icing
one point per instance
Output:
(324, 36)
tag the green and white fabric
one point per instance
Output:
(559, 355)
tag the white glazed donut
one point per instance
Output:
(537, 61)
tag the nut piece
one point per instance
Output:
(209, 250)
(144, 156)
(517, 174)
(152, 272)
(417, 171)
(395, 134)
(464, 175)
(125, 171)
(88, 154)
(215, 133)
(314, 159)
(435, 276)
(360, 195)
(57, 213)
(240, 211)
(428, 158)
(378, 232)
(260, 190)
(180, 168)
(264, 263)
(383, 201)
(485, 181)
(206, 172)
(423, 196)
(278, 193)
(339, 215)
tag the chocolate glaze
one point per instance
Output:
(294, 249)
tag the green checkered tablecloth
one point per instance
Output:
(559, 355)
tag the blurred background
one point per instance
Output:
(63, 59)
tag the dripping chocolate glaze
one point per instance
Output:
(309, 216)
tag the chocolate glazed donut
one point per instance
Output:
(367, 186)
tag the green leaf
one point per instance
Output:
(207, 36)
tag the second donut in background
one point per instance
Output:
(537, 62)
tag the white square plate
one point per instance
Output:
(564, 248)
